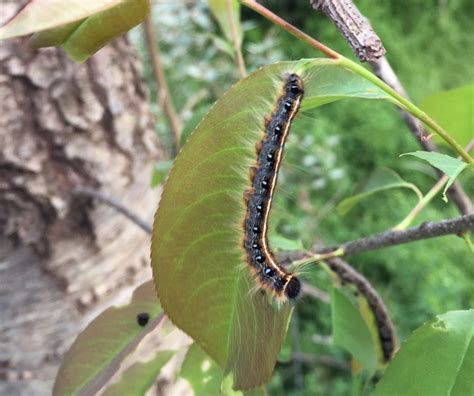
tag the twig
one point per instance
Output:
(266, 13)
(361, 36)
(100, 196)
(168, 107)
(356, 29)
(316, 293)
(324, 360)
(235, 40)
(392, 237)
(386, 332)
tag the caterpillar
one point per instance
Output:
(267, 272)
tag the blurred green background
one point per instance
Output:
(331, 151)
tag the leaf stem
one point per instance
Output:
(407, 105)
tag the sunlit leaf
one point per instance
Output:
(436, 360)
(197, 252)
(111, 333)
(206, 378)
(451, 166)
(454, 111)
(40, 15)
(219, 10)
(138, 378)
(380, 180)
(350, 331)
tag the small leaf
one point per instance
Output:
(451, 166)
(279, 242)
(138, 378)
(380, 180)
(160, 171)
(103, 339)
(454, 111)
(350, 331)
(436, 360)
(40, 15)
(219, 10)
(206, 378)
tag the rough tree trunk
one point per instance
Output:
(62, 126)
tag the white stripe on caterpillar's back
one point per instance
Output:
(267, 272)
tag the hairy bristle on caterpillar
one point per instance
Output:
(268, 273)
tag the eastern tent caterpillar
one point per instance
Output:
(270, 275)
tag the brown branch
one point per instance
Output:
(119, 207)
(164, 93)
(361, 37)
(355, 28)
(385, 328)
(427, 230)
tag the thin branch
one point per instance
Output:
(312, 291)
(356, 29)
(392, 237)
(168, 107)
(361, 36)
(119, 207)
(323, 360)
(266, 13)
(235, 40)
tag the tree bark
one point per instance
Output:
(64, 126)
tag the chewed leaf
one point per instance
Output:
(40, 15)
(451, 166)
(437, 359)
(198, 259)
(454, 111)
(381, 180)
(101, 342)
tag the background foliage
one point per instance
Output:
(335, 149)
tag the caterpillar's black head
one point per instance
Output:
(292, 288)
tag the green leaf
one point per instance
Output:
(138, 378)
(279, 242)
(197, 254)
(219, 10)
(436, 360)
(380, 180)
(97, 347)
(160, 171)
(454, 111)
(40, 15)
(451, 166)
(99, 29)
(206, 378)
(350, 331)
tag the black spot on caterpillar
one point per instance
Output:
(268, 273)
(143, 318)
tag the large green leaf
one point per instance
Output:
(451, 166)
(138, 378)
(436, 360)
(350, 331)
(454, 111)
(40, 15)
(197, 254)
(380, 180)
(207, 378)
(106, 338)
